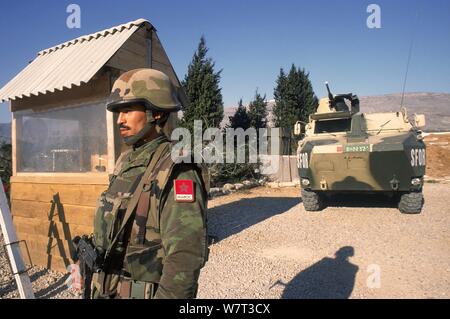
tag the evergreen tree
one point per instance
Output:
(257, 111)
(5, 165)
(255, 117)
(279, 109)
(201, 85)
(240, 117)
(294, 99)
(309, 98)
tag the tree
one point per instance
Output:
(279, 109)
(240, 117)
(308, 97)
(234, 172)
(201, 85)
(5, 164)
(257, 118)
(294, 99)
(257, 111)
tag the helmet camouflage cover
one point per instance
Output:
(149, 87)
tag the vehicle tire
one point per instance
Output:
(312, 201)
(411, 203)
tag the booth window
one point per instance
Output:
(66, 140)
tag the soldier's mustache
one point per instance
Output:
(124, 126)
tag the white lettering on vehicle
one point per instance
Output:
(418, 157)
(302, 160)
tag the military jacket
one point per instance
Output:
(175, 245)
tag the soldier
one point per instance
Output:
(150, 224)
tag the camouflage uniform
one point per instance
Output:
(158, 254)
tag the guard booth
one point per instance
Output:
(64, 142)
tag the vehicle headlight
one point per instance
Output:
(305, 182)
(416, 181)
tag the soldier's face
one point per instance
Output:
(131, 120)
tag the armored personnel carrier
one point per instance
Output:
(344, 150)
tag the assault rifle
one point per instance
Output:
(90, 261)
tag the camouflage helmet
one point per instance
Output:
(150, 87)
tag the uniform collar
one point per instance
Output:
(141, 155)
(150, 145)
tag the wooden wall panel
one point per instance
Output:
(72, 214)
(36, 226)
(49, 241)
(46, 245)
(62, 178)
(136, 43)
(132, 55)
(49, 261)
(126, 60)
(83, 195)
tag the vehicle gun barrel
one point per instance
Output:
(330, 95)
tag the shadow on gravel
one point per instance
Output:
(361, 200)
(38, 274)
(10, 285)
(7, 287)
(234, 217)
(48, 292)
(330, 278)
(53, 289)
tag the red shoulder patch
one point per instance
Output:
(184, 190)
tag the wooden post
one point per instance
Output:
(148, 42)
(110, 141)
(15, 127)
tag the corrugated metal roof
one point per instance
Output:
(69, 64)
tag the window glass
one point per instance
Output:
(62, 140)
(333, 126)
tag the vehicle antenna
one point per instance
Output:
(409, 59)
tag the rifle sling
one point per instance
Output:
(142, 209)
(135, 198)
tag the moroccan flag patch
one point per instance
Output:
(184, 190)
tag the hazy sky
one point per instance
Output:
(250, 40)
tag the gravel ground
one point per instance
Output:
(267, 246)
(47, 284)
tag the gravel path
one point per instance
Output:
(267, 246)
(47, 284)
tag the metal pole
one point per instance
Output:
(12, 248)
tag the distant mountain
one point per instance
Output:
(5, 132)
(435, 106)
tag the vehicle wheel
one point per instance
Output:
(411, 203)
(312, 201)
